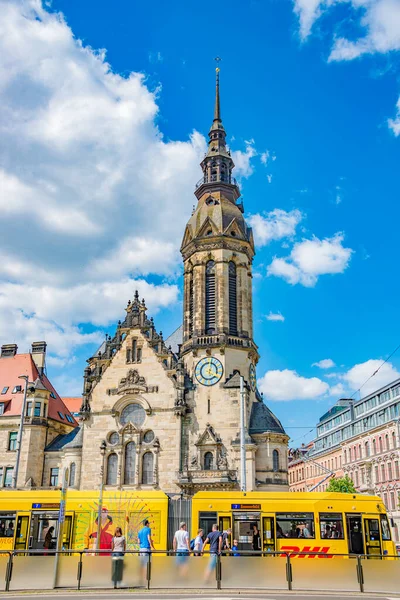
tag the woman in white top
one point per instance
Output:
(118, 544)
(198, 543)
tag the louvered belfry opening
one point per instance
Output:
(191, 306)
(232, 299)
(210, 298)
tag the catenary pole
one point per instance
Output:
(242, 438)
(20, 431)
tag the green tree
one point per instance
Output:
(341, 484)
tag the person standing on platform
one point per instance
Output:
(145, 545)
(118, 547)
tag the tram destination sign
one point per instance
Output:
(246, 506)
(46, 505)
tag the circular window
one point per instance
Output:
(113, 438)
(133, 413)
(148, 437)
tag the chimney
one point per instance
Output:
(39, 355)
(8, 350)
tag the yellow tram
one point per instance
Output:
(297, 523)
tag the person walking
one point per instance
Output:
(214, 538)
(118, 547)
(181, 546)
(145, 546)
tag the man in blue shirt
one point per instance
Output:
(145, 545)
(215, 540)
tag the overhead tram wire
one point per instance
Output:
(375, 372)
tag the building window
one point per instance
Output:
(1, 408)
(393, 501)
(232, 299)
(366, 449)
(387, 442)
(17, 388)
(393, 440)
(112, 468)
(29, 409)
(210, 297)
(8, 475)
(130, 463)
(12, 440)
(383, 473)
(208, 461)
(345, 457)
(356, 482)
(191, 305)
(376, 474)
(275, 460)
(380, 445)
(54, 476)
(147, 468)
(396, 470)
(133, 413)
(359, 451)
(72, 471)
(390, 474)
(4, 390)
(38, 406)
(60, 414)
(374, 445)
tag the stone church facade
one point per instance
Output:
(164, 414)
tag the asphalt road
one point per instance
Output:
(139, 595)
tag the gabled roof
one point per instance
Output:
(73, 439)
(73, 404)
(262, 420)
(175, 339)
(23, 364)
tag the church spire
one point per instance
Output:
(217, 109)
(217, 164)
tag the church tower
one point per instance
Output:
(218, 346)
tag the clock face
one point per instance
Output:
(209, 371)
(252, 377)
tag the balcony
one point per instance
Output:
(216, 179)
(192, 480)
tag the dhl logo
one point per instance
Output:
(304, 552)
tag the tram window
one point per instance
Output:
(7, 526)
(331, 525)
(206, 521)
(295, 525)
(385, 528)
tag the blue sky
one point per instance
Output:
(106, 109)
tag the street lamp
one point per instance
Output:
(103, 447)
(19, 436)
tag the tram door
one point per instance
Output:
(354, 533)
(372, 535)
(243, 528)
(268, 533)
(22, 531)
(224, 523)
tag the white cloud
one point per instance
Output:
(357, 376)
(288, 385)
(310, 259)
(156, 57)
(394, 124)
(325, 363)
(379, 19)
(90, 190)
(269, 177)
(338, 390)
(275, 316)
(275, 225)
(244, 167)
(264, 157)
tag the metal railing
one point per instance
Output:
(77, 569)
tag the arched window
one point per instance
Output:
(393, 440)
(345, 456)
(208, 461)
(380, 445)
(210, 297)
(72, 470)
(374, 445)
(232, 299)
(366, 449)
(383, 473)
(275, 460)
(112, 468)
(387, 441)
(147, 468)
(191, 305)
(130, 463)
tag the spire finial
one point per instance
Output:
(217, 111)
